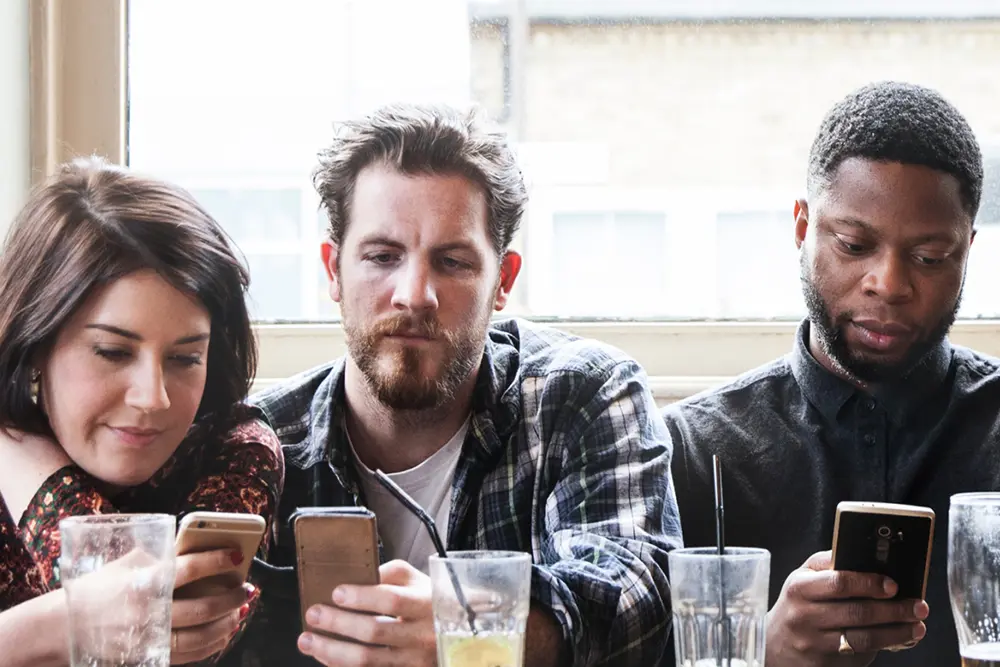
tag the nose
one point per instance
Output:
(414, 289)
(890, 279)
(147, 390)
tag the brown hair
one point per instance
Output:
(423, 139)
(89, 225)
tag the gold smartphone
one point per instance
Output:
(206, 531)
(334, 546)
(888, 539)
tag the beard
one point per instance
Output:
(830, 333)
(405, 385)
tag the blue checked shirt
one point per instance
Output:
(566, 458)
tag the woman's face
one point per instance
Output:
(124, 379)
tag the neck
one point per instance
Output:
(393, 440)
(819, 353)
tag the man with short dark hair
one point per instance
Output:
(873, 403)
(511, 435)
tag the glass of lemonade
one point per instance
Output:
(118, 574)
(496, 587)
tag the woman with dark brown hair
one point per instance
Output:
(125, 355)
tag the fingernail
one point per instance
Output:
(244, 610)
(919, 630)
(889, 586)
(921, 610)
(250, 589)
(339, 596)
(305, 641)
(236, 557)
(312, 616)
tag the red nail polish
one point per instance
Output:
(236, 557)
(251, 591)
(244, 610)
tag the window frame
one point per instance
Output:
(78, 62)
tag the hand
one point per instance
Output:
(395, 623)
(817, 604)
(204, 622)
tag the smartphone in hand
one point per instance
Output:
(888, 539)
(207, 531)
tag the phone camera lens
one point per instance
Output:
(884, 532)
(201, 524)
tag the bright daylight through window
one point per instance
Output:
(664, 141)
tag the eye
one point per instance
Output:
(382, 258)
(187, 360)
(116, 355)
(929, 261)
(452, 264)
(851, 247)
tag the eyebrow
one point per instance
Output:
(390, 243)
(131, 335)
(942, 237)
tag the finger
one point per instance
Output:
(197, 656)
(198, 639)
(192, 567)
(839, 585)
(399, 573)
(865, 613)
(333, 653)
(380, 630)
(192, 612)
(398, 601)
(821, 560)
(870, 640)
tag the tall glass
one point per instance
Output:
(496, 587)
(719, 605)
(974, 576)
(118, 573)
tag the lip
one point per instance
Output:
(409, 337)
(135, 437)
(881, 336)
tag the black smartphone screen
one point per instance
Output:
(892, 545)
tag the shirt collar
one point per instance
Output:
(901, 398)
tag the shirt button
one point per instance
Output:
(870, 439)
(870, 404)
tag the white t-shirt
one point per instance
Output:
(429, 483)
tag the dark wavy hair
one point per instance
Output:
(87, 226)
(431, 139)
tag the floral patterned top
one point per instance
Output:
(243, 471)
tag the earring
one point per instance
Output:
(36, 379)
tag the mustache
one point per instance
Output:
(402, 323)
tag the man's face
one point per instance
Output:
(417, 279)
(883, 249)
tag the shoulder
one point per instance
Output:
(547, 352)
(749, 396)
(289, 404)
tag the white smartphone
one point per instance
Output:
(206, 531)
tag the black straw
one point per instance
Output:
(720, 548)
(720, 511)
(425, 518)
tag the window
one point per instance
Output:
(664, 142)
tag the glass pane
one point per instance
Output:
(699, 118)
(275, 286)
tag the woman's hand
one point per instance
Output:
(28, 460)
(209, 603)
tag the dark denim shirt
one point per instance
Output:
(795, 440)
(566, 458)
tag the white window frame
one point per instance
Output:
(78, 91)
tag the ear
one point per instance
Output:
(801, 212)
(509, 268)
(331, 257)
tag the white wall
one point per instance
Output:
(15, 156)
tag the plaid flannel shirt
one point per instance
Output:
(566, 458)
